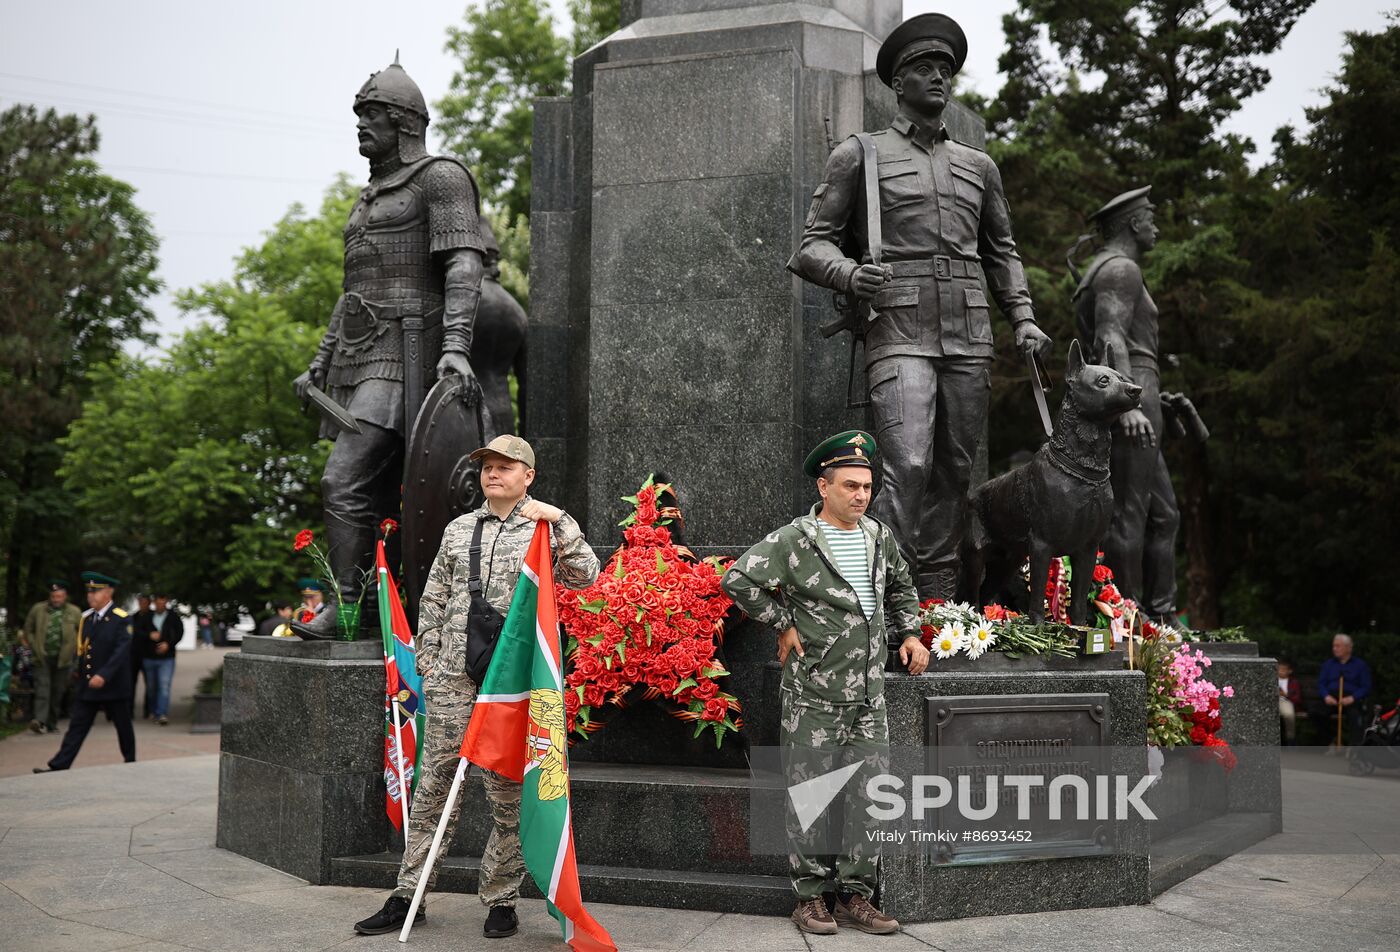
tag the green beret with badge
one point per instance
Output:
(851, 448)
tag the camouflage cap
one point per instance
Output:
(510, 446)
(851, 448)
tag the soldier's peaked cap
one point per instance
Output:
(1129, 201)
(935, 33)
(96, 580)
(851, 448)
(392, 87)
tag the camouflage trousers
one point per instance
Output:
(450, 700)
(835, 850)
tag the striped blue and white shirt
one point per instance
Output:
(849, 548)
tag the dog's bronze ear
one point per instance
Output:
(1108, 353)
(1076, 359)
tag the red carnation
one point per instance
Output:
(303, 539)
(1102, 573)
(388, 526)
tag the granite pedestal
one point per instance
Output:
(301, 753)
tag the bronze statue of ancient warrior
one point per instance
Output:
(394, 358)
(916, 225)
(1117, 320)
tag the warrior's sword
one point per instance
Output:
(336, 412)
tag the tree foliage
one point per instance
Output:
(1271, 282)
(77, 264)
(219, 466)
(510, 55)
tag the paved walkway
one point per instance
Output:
(122, 857)
(21, 753)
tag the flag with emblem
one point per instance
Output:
(403, 698)
(518, 730)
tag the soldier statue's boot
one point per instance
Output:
(941, 584)
(350, 553)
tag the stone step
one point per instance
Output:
(696, 819)
(631, 886)
(1182, 855)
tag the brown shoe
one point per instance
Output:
(811, 917)
(858, 913)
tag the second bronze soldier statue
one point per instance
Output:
(942, 228)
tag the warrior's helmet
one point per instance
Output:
(392, 87)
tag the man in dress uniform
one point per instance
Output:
(413, 254)
(104, 684)
(944, 239)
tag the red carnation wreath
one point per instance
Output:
(652, 620)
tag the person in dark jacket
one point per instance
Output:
(104, 680)
(155, 634)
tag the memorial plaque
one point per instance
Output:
(1041, 748)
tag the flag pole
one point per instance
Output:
(438, 834)
(403, 786)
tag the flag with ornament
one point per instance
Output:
(518, 729)
(404, 713)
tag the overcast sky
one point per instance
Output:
(223, 116)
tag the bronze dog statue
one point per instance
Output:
(1059, 503)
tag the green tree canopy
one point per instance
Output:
(219, 467)
(77, 264)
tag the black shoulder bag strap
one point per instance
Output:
(484, 623)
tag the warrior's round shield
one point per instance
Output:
(440, 482)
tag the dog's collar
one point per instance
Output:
(1065, 464)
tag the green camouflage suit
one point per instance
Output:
(450, 693)
(833, 695)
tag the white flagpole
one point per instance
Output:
(433, 851)
(403, 786)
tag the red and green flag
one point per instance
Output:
(403, 698)
(518, 730)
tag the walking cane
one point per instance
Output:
(433, 851)
(1339, 713)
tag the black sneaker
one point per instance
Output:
(390, 918)
(501, 922)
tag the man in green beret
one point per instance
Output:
(832, 583)
(941, 234)
(51, 632)
(104, 680)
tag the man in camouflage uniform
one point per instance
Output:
(508, 516)
(832, 582)
(413, 251)
(945, 240)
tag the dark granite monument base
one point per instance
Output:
(301, 753)
(301, 788)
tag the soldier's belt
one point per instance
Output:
(942, 267)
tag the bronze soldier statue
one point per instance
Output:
(929, 230)
(1118, 320)
(413, 268)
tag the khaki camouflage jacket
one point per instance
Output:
(442, 612)
(790, 580)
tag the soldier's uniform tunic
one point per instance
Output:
(104, 647)
(451, 694)
(833, 703)
(946, 229)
